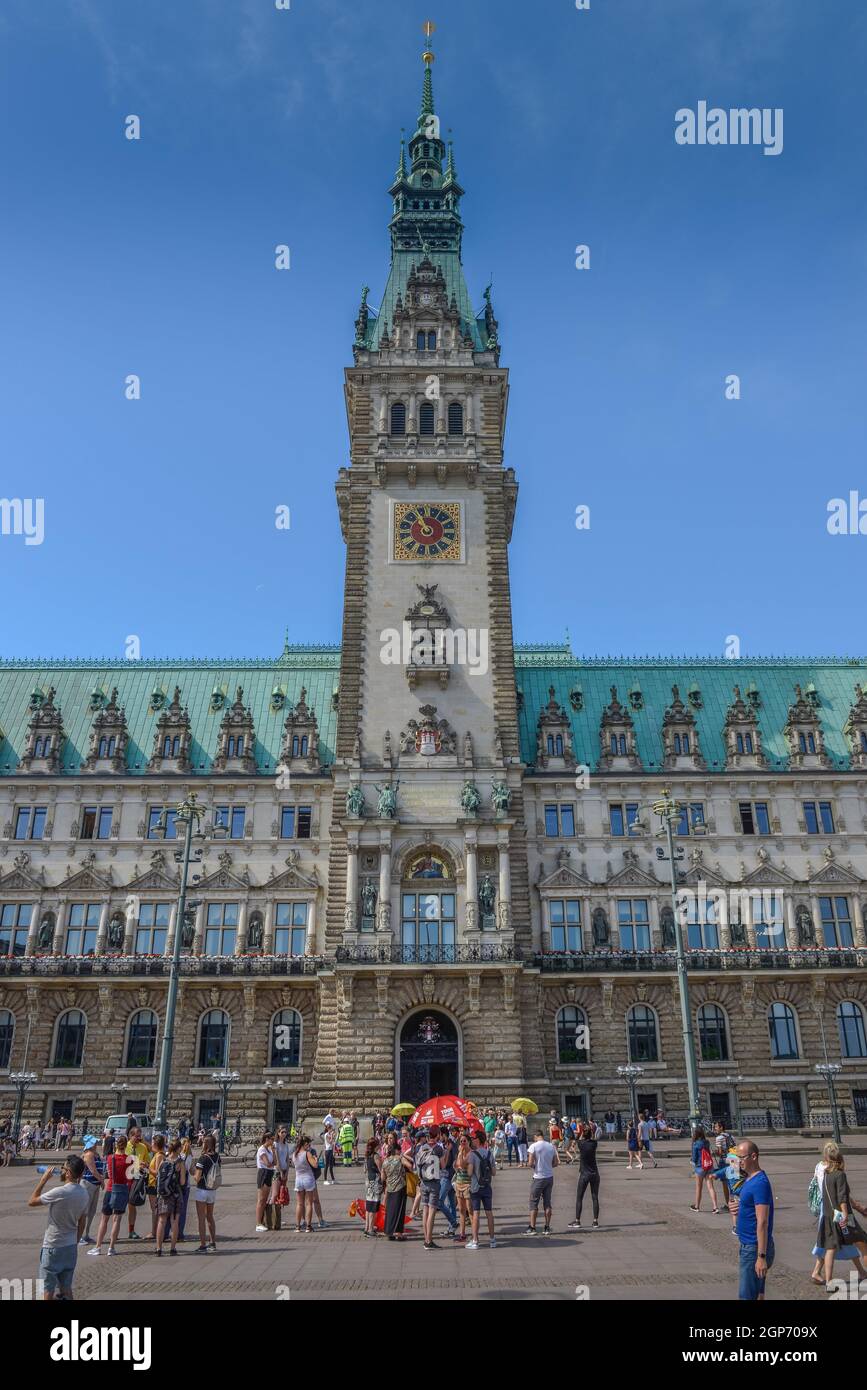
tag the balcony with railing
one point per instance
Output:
(390, 953)
(121, 965)
(738, 958)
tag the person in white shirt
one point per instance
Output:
(646, 1129)
(511, 1142)
(266, 1166)
(545, 1160)
(329, 1139)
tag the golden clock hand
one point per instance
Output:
(424, 528)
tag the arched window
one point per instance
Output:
(230, 746)
(176, 746)
(69, 1039)
(431, 342)
(141, 1039)
(7, 1033)
(783, 1028)
(304, 745)
(863, 742)
(456, 417)
(103, 747)
(398, 418)
(618, 745)
(167, 746)
(642, 1034)
(850, 1022)
(37, 748)
(112, 744)
(419, 341)
(213, 1039)
(426, 418)
(713, 1033)
(286, 1039)
(239, 746)
(571, 1035)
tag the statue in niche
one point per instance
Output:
(188, 930)
(256, 933)
(116, 933)
(501, 798)
(804, 924)
(666, 922)
(600, 927)
(387, 805)
(45, 939)
(739, 934)
(368, 898)
(487, 895)
(470, 799)
(355, 802)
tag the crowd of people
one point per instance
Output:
(443, 1171)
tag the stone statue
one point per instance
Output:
(501, 798)
(387, 801)
(368, 898)
(116, 933)
(255, 934)
(600, 927)
(355, 802)
(739, 934)
(804, 924)
(470, 799)
(666, 922)
(188, 930)
(46, 932)
(487, 894)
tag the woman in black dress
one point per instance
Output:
(842, 1229)
(588, 1176)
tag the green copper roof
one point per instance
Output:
(315, 668)
(538, 668)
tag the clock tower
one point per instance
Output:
(427, 772)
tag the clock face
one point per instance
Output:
(427, 531)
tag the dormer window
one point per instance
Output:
(617, 746)
(398, 418)
(172, 738)
(742, 736)
(681, 744)
(107, 746)
(300, 735)
(299, 746)
(554, 733)
(456, 417)
(804, 734)
(679, 734)
(555, 745)
(237, 737)
(235, 746)
(172, 746)
(45, 735)
(420, 341)
(426, 419)
(855, 729)
(807, 743)
(744, 743)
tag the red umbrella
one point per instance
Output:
(444, 1110)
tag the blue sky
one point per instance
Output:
(708, 516)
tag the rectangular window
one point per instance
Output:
(154, 816)
(221, 930)
(30, 823)
(290, 935)
(82, 924)
(702, 933)
(767, 913)
(836, 921)
(559, 820)
(96, 823)
(690, 817)
(232, 818)
(634, 922)
(754, 818)
(621, 817)
(14, 927)
(564, 922)
(153, 925)
(818, 817)
(428, 928)
(295, 822)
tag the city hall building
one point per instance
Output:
(423, 866)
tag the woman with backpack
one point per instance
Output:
(208, 1177)
(703, 1169)
(171, 1177)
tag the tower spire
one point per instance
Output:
(427, 101)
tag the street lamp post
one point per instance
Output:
(669, 811)
(830, 1071)
(734, 1082)
(630, 1074)
(188, 813)
(224, 1079)
(22, 1081)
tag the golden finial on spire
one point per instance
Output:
(427, 29)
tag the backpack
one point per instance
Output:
(706, 1160)
(167, 1180)
(486, 1171)
(428, 1163)
(814, 1196)
(214, 1176)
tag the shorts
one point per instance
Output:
(373, 1195)
(57, 1266)
(430, 1192)
(206, 1195)
(264, 1177)
(749, 1284)
(168, 1206)
(115, 1201)
(483, 1198)
(541, 1190)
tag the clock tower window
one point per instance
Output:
(398, 418)
(426, 419)
(456, 417)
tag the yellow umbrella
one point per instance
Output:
(525, 1106)
(401, 1111)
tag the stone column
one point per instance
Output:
(471, 907)
(383, 413)
(504, 907)
(173, 926)
(268, 932)
(858, 922)
(33, 933)
(129, 929)
(310, 938)
(199, 936)
(350, 914)
(791, 928)
(59, 926)
(817, 923)
(102, 929)
(383, 906)
(241, 933)
(655, 926)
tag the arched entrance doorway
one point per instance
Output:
(428, 1056)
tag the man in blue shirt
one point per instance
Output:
(753, 1208)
